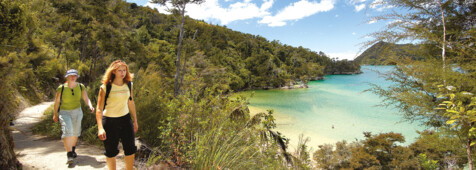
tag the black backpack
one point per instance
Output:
(108, 90)
(61, 96)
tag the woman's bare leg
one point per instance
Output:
(68, 143)
(111, 163)
(129, 162)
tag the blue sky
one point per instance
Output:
(335, 27)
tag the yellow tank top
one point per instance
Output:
(117, 101)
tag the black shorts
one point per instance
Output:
(119, 128)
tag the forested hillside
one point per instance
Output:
(383, 53)
(88, 34)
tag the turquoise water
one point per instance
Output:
(334, 109)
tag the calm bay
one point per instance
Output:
(333, 109)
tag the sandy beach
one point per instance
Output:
(286, 126)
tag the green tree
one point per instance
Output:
(380, 151)
(340, 158)
(388, 153)
(444, 42)
(443, 147)
(13, 16)
(427, 163)
(179, 5)
(461, 113)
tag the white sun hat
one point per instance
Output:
(71, 72)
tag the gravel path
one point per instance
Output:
(40, 152)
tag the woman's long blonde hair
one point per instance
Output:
(109, 76)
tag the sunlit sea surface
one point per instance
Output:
(333, 109)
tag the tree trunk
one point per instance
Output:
(443, 50)
(183, 73)
(94, 58)
(61, 50)
(468, 151)
(185, 63)
(84, 46)
(63, 41)
(8, 158)
(179, 52)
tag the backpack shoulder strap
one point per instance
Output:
(108, 90)
(81, 87)
(129, 84)
(61, 97)
(62, 88)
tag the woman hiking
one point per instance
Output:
(116, 114)
(67, 110)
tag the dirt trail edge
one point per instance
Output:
(40, 152)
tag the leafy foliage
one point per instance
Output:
(375, 152)
(441, 147)
(14, 71)
(427, 163)
(203, 128)
(460, 111)
(446, 34)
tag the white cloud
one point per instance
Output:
(350, 55)
(297, 11)
(372, 21)
(246, 9)
(376, 3)
(394, 22)
(353, 2)
(266, 5)
(211, 9)
(359, 7)
(379, 5)
(353, 33)
(358, 4)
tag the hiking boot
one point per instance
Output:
(70, 157)
(74, 152)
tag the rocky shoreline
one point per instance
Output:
(300, 86)
(347, 73)
(292, 85)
